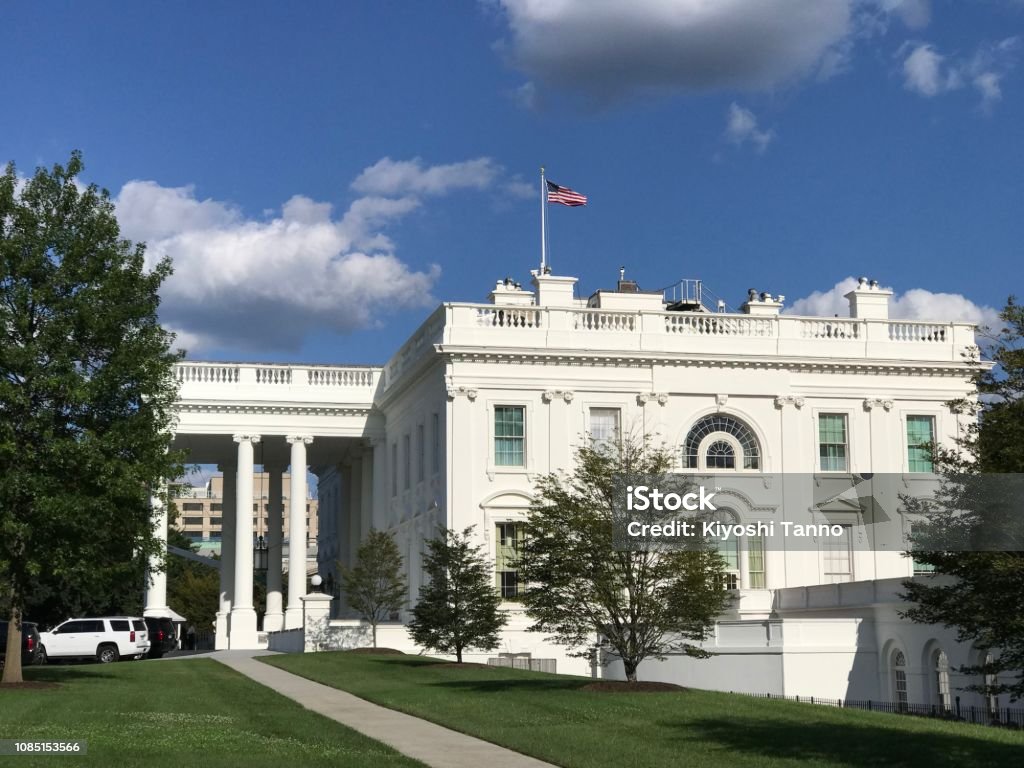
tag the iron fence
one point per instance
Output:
(1007, 717)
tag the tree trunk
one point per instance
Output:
(12, 665)
(458, 654)
(630, 667)
(374, 625)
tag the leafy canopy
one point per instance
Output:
(458, 607)
(984, 599)
(375, 586)
(86, 391)
(640, 602)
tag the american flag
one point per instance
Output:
(564, 195)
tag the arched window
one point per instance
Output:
(899, 678)
(721, 442)
(720, 455)
(941, 665)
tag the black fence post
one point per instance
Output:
(869, 705)
(957, 707)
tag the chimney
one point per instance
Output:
(869, 301)
(763, 304)
(554, 291)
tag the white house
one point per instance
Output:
(483, 398)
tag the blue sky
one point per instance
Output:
(324, 173)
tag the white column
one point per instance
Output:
(227, 554)
(243, 615)
(274, 618)
(297, 531)
(366, 496)
(156, 578)
(355, 507)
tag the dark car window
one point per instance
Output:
(74, 626)
(140, 625)
(96, 626)
(119, 625)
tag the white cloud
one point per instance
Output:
(608, 49)
(264, 283)
(401, 177)
(913, 304)
(929, 73)
(922, 71)
(741, 127)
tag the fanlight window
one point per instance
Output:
(721, 454)
(899, 670)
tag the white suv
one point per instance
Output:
(105, 639)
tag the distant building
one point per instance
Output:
(200, 512)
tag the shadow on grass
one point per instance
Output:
(505, 685)
(848, 743)
(65, 673)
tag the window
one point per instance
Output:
(899, 682)
(406, 462)
(215, 520)
(510, 436)
(734, 428)
(942, 679)
(192, 520)
(435, 436)
(832, 448)
(604, 429)
(720, 455)
(216, 507)
(755, 562)
(838, 556)
(920, 436)
(191, 506)
(991, 700)
(922, 569)
(728, 550)
(119, 625)
(509, 537)
(421, 453)
(394, 469)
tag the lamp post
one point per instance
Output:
(260, 556)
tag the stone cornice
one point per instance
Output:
(633, 360)
(272, 410)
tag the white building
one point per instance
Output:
(483, 398)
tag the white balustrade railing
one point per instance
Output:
(913, 331)
(273, 375)
(700, 324)
(829, 329)
(509, 317)
(206, 373)
(341, 377)
(603, 320)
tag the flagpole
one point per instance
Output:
(543, 222)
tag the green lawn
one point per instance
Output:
(549, 717)
(175, 714)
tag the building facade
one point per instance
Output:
(483, 398)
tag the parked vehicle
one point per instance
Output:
(105, 639)
(31, 648)
(162, 636)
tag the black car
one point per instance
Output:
(162, 636)
(31, 648)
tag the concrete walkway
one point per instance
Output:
(432, 744)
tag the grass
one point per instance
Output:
(547, 716)
(176, 713)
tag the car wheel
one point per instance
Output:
(41, 656)
(107, 654)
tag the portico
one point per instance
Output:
(282, 418)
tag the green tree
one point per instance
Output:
(86, 391)
(458, 607)
(375, 586)
(641, 601)
(984, 600)
(193, 589)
